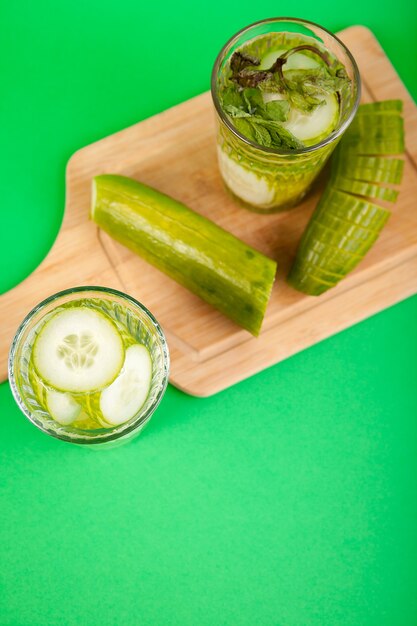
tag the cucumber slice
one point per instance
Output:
(374, 134)
(354, 236)
(244, 183)
(373, 124)
(78, 350)
(304, 281)
(368, 190)
(62, 407)
(352, 209)
(85, 421)
(369, 169)
(127, 394)
(312, 127)
(323, 274)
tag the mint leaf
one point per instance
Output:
(253, 99)
(281, 137)
(239, 61)
(230, 96)
(266, 133)
(235, 112)
(251, 77)
(262, 136)
(245, 128)
(277, 110)
(304, 87)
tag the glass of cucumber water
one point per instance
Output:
(89, 365)
(285, 90)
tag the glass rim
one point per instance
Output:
(79, 438)
(324, 142)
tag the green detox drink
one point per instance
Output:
(89, 365)
(285, 90)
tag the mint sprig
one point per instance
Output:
(259, 121)
(303, 87)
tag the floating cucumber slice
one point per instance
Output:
(245, 183)
(62, 407)
(126, 395)
(85, 421)
(38, 387)
(78, 350)
(312, 127)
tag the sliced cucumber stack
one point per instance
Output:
(346, 224)
(78, 350)
(127, 394)
(374, 133)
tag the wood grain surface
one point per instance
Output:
(175, 153)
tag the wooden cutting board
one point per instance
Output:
(175, 152)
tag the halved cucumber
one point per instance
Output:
(127, 394)
(78, 350)
(191, 249)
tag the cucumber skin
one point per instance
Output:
(327, 253)
(345, 224)
(391, 107)
(212, 263)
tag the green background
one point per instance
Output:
(288, 500)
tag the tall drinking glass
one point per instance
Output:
(268, 179)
